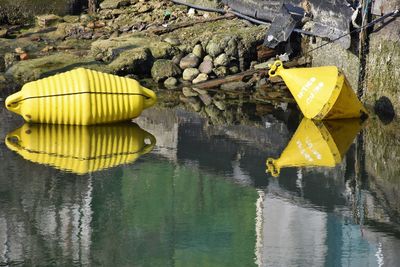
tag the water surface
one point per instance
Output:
(199, 197)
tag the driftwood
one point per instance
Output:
(163, 30)
(243, 75)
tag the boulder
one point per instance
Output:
(171, 82)
(221, 60)
(163, 69)
(214, 49)
(136, 60)
(190, 61)
(33, 69)
(221, 71)
(190, 73)
(47, 20)
(189, 92)
(198, 51)
(206, 67)
(109, 49)
(202, 77)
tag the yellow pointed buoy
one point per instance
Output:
(81, 149)
(81, 97)
(320, 92)
(316, 143)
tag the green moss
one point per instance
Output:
(29, 70)
(383, 65)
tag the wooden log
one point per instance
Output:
(245, 74)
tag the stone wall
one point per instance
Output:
(383, 65)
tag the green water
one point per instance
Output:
(200, 198)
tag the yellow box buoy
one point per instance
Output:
(81, 149)
(317, 143)
(320, 92)
(81, 97)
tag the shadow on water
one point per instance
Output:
(201, 197)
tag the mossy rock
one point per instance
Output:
(163, 69)
(111, 48)
(30, 70)
(136, 60)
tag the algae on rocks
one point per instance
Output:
(30, 70)
(108, 50)
(240, 41)
(383, 65)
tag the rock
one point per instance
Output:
(232, 48)
(198, 51)
(190, 73)
(113, 4)
(10, 59)
(144, 8)
(136, 60)
(213, 49)
(19, 50)
(190, 61)
(221, 60)
(3, 33)
(33, 69)
(163, 69)
(111, 48)
(191, 12)
(24, 56)
(71, 19)
(208, 58)
(206, 67)
(221, 71)
(200, 91)
(202, 77)
(85, 18)
(235, 86)
(206, 99)
(172, 41)
(177, 58)
(219, 104)
(171, 82)
(47, 48)
(47, 20)
(189, 92)
(234, 69)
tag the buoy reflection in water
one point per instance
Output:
(81, 149)
(317, 143)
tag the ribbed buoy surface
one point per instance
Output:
(81, 97)
(81, 149)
